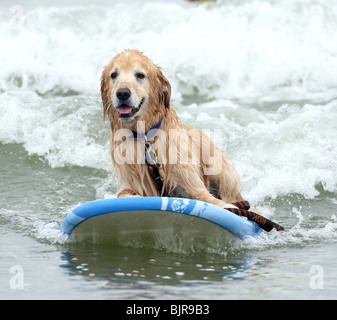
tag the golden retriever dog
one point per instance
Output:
(136, 98)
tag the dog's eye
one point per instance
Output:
(114, 75)
(140, 75)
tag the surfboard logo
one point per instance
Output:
(180, 205)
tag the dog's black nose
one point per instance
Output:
(123, 94)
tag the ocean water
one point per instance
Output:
(264, 72)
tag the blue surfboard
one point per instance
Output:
(136, 215)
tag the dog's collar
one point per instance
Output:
(149, 134)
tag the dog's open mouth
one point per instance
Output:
(126, 111)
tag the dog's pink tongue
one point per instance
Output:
(124, 110)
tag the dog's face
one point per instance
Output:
(133, 88)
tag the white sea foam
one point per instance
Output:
(277, 151)
(62, 130)
(295, 237)
(290, 151)
(255, 49)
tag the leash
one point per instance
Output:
(263, 222)
(151, 157)
(243, 207)
(153, 169)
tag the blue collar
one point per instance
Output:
(149, 134)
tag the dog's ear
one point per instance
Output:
(166, 89)
(104, 95)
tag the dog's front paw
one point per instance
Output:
(254, 210)
(127, 194)
(228, 206)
